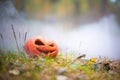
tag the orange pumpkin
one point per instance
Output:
(41, 46)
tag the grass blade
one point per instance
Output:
(25, 36)
(15, 37)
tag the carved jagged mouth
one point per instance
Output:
(45, 52)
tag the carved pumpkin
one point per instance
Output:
(40, 46)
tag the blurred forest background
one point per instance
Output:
(75, 11)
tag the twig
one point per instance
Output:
(79, 57)
(15, 37)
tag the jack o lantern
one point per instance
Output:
(40, 46)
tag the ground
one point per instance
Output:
(63, 67)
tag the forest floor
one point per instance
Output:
(63, 67)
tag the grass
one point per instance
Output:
(19, 67)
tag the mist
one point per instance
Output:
(100, 38)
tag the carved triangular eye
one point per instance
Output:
(39, 42)
(52, 45)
